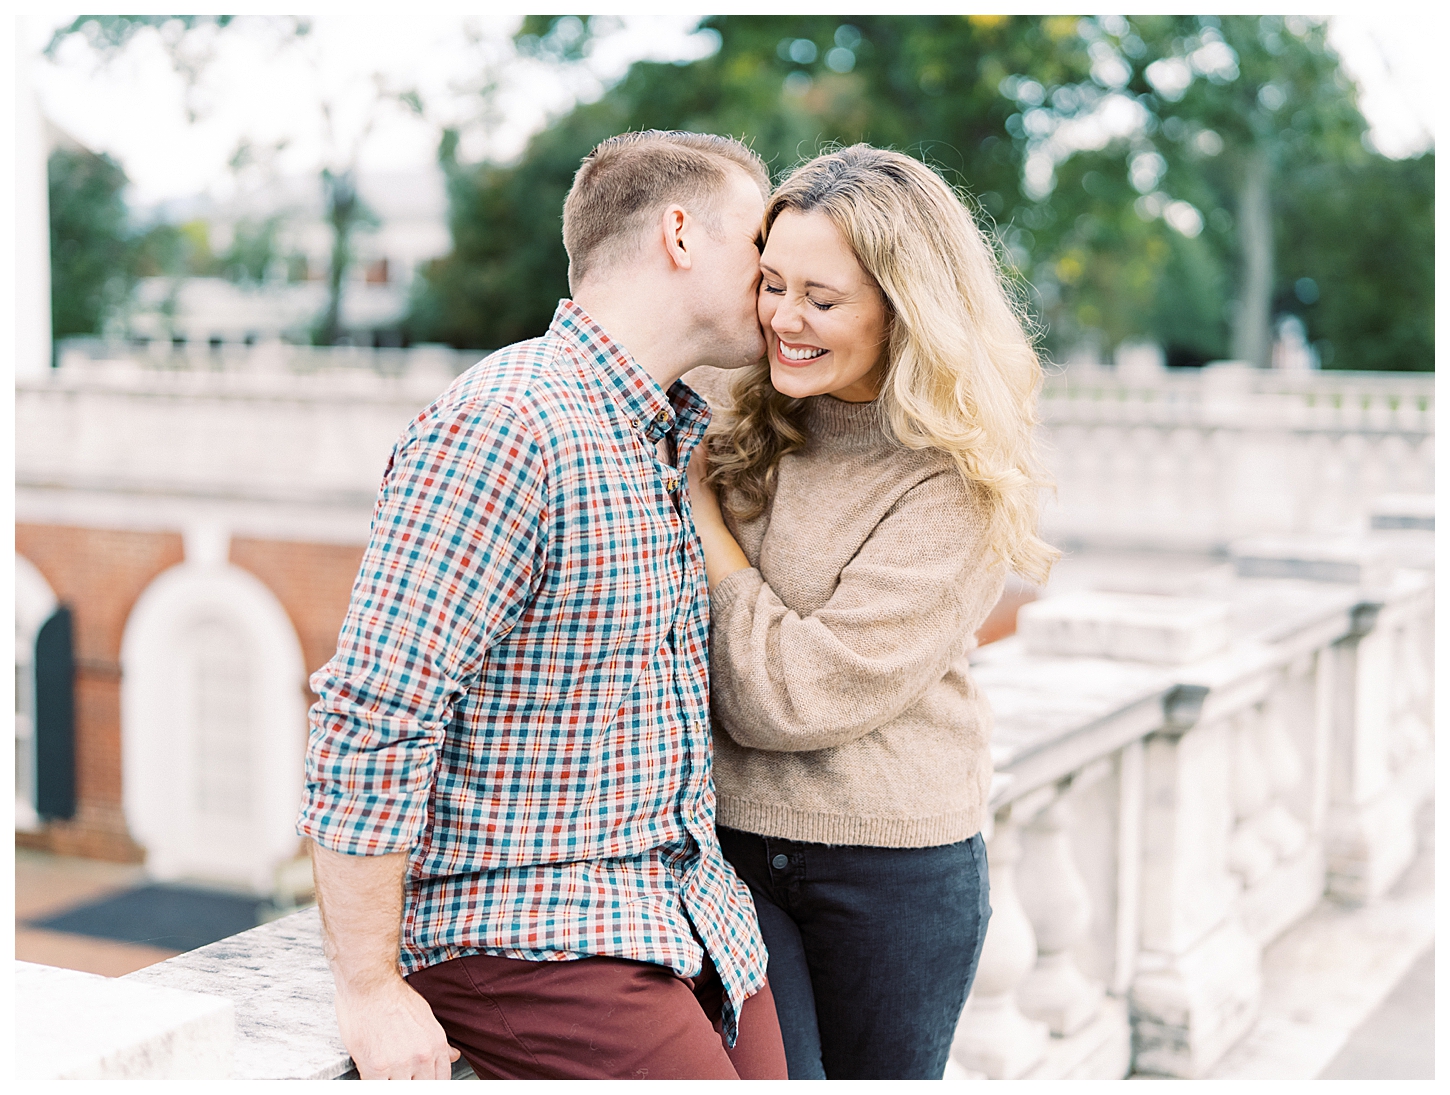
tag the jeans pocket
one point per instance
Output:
(984, 888)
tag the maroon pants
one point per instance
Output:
(596, 1019)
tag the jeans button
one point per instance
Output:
(779, 862)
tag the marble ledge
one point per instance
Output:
(1038, 701)
(80, 1026)
(277, 979)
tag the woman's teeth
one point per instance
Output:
(805, 353)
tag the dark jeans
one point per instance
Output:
(872, 950)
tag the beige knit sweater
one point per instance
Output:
(843, 707)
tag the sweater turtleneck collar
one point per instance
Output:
(835, 422)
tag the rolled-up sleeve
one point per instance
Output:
(902, 611)
(455, 554)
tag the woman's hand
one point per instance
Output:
(723, 556)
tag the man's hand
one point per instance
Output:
(392, 1035)
(387, 1027)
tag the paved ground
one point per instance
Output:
(46, 884)
(1349, 992)
(1397, 1042)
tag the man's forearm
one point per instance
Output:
(361, 901)
(387, 1027)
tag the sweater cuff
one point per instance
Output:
(731, 588)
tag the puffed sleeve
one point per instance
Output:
(904, 608)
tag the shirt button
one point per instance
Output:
(663, 416)
(779, 862)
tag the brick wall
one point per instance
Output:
(313, 582)
(99, 574)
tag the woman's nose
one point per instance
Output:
(787, 317)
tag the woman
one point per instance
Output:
(878, 481)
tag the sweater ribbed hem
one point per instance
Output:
(774, 819)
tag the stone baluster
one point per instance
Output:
(1197, 984)
(1278, 825)
(1250, 856)
(1056, 900)
(994, 1038)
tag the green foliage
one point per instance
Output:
(977, 96)
(91, 252)
(1363, 235)
(253, 252)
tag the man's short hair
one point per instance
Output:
(628, 178)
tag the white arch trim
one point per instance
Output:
(161, 779)
(35, 601)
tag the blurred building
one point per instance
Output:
(405, 227)
(201, 528)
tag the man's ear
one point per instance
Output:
(674, 226)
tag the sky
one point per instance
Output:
(269, 91)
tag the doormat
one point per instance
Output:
(178, 918)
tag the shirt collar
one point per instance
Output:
(648, 408)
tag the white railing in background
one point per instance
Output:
(1193, 459)
(99, 356)
(1157, 825)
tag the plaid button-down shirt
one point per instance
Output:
(519, 697)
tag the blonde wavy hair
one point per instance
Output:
(962, 375)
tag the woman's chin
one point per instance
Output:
(793, 382)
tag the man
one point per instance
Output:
(509, 791)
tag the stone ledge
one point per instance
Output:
(81, 1026)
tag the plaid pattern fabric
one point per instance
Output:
(519, 697)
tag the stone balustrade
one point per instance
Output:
(270, 453)
(97, 357)
(1192, 462)
(1180, 780)
(1167, 461)
(1182, 776)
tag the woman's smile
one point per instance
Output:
(796, 354)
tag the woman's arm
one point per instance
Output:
(723, 556)
(904, 608)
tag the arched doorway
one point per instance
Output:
(213, 726)
(35, 605)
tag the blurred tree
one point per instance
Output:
(91, 252)
(789, 85)
(1137, 172)
(253, 255)
(186, 39)
(1366, 294)
(1233, 130)
(189, 42)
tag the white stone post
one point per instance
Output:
(994, 1038)
(1197, 987)
(1370, 838)
(32, 218)
(1250, 856)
